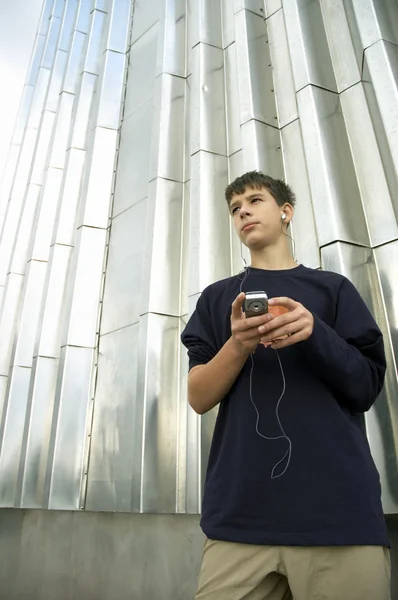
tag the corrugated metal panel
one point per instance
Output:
(53, 246)
(129, 130)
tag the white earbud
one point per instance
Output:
(283, 216)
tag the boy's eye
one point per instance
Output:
(255, 199)
(235, 209)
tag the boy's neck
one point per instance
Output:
(273, 258)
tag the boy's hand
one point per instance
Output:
(245, 332)
(297, 324)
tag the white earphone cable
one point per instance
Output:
(288, 452)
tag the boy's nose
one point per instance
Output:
(244, 211)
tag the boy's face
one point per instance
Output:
(257, 217)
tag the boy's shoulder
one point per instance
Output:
(218, 288)
(325, 275)
(337, 282)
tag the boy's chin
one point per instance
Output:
(255, 245)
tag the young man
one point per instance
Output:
(291, 505)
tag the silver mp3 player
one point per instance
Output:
(256, 303)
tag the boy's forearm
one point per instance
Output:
(209, 384)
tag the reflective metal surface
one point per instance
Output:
(145, 15)
(57, 77)
(142, 67)
(304, 229)
(205, 23)
(45, 215)
(43, 144)
(36, 432)
(209, 221)
(256, 89)
(373, 183)
(112, 457)
(13, 419)
(309, 48)
(22, 354)
(171, 54)
(271, 6)
(65, 221)
(167, 153)
(376, 20)
(156, 434)
(160, 293)
(283, 82)
(135, 116)
(73, 403)
(261, 148)
(135, 149)
(333, 181)
(110, 90)
(124, 280)
(22, 243)
(119, 25)
(75, 62)
(232, 100)
(94, 42)
(48, 338)
(381, 74)
(97, 185)
(84, 288)
(208, 100)
(15, 202)
(346, 66)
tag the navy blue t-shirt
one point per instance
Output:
(330, 493)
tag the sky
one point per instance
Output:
(19, 20)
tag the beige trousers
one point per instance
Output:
(247, 572)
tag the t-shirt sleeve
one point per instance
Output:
(350, 356)
(199, 336)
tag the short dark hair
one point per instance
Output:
(281, 191)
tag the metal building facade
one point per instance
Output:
(134, 118)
